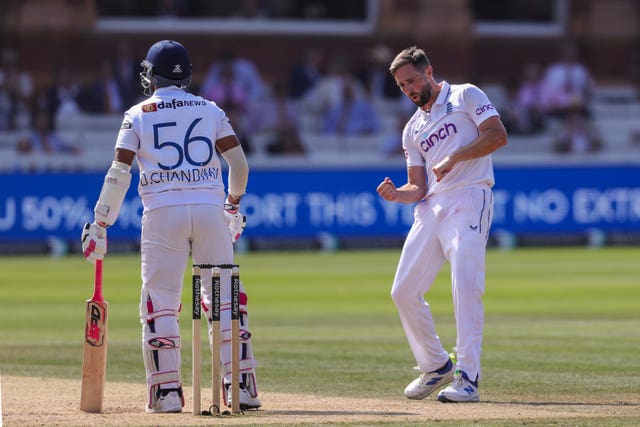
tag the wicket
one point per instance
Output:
(216, 381)
(195, 338)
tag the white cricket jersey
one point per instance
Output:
(173, 134)
(452, 123)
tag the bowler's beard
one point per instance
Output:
(425, 96)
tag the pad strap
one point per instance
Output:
(226, 304)
(150, 317)
(245, 335)
(159, 378)
(156, 379)
(246, 366)
(158, 342)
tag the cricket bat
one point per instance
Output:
(94, 356)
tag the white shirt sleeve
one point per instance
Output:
(127, 136)
(478, 105)
(411, 151)
(225, 128)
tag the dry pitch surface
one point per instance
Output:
(54, 402)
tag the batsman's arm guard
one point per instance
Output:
(116, 184)
(238, 171)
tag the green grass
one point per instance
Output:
(562, 325)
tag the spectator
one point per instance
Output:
(7, 108)
(568, 87)
(227, 91)
(103, 96)
(16, 92)
(279, 118)
(62, 98)
(328, 93)
(569, 83)
(353, 114)
(306, 73)
(577, 136)
(246, 75)
(243, 82)
(634, 77)
(127, 73)
(392, 144)
(527, 111)
(229, 94)
(634, 138)
(43, 138)
(375, 75)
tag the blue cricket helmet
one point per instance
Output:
(167, 63)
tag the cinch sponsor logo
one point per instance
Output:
(438, 135)
(483, 108)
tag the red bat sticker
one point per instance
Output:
(96, 318)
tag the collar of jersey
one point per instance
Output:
(167, 89)
(442, 97)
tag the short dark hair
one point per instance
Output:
(411, 55)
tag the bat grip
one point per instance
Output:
(97, 282)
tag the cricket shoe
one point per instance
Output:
(167, 401)
(247, 399)
(461, 389)
(428, 382)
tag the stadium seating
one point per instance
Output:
(616, 109)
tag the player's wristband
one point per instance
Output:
(231, 208)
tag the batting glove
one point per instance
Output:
(235, 221)
(94, 242)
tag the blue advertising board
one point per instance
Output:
(304, 203)
(567, 199)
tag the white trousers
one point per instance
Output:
(169, 235)
(453, 227)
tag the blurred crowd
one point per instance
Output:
(32, 116)
(555, 98)
(321, 94)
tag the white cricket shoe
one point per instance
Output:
(247, 399)
(460, 390)
(167, 401)
(428, 382)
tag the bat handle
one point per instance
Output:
(97, 283)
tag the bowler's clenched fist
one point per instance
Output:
(443, 168)
(387, 190)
